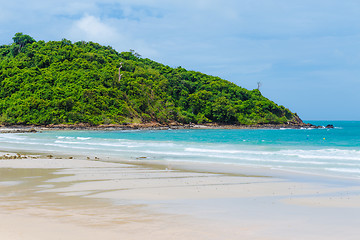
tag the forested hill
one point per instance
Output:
(60, 82)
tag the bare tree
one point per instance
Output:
(259, 85)
(120, 74)
(135, 53)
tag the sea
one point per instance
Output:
(327, 152)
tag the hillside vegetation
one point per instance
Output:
(60, 82)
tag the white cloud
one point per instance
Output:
(115, 33)
(91, 28)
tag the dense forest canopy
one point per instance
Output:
(60, 82)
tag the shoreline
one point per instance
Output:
(150, 126)
(77, 198)
(230, 169)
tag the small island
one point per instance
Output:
(60, 84)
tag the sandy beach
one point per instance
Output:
(81, 198)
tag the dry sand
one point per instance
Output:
(86, 199)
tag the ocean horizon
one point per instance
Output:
(327, 152)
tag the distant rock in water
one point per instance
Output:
(21, 129)
(329, 126)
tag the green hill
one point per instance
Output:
(60, 82)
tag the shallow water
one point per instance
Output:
(332, 152)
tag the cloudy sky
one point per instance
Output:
(305, 53)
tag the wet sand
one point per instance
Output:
(86, 199)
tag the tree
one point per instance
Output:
(223, 111)
(22, 40)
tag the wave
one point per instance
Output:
(64, 137)
(7, 136)
(285, 161)
(344, 170)
(20, 142)
(80, 138)
(92, 143)
(229, 151)
(127, 143)
(83, 138)
(334, 154)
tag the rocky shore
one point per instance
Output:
(152, 126)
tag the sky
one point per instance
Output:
(306, 54)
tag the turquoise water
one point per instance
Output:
(332, 152)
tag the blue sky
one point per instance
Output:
(305, 53)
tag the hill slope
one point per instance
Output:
(60, 82)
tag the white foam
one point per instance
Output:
(83, 138)
(344, 170)
(229, 151)
(12, 136)
(10, 183)
(334, 154)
